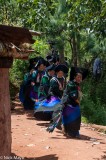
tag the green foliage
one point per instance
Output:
(95, 113)
(84, 119)
(93, 105)
(41, 47)
(10, 13)
(34, 14)
(17, 72)
(89, 14)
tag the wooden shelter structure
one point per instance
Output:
(11, 46)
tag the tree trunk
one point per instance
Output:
(5, 113)
(74, 51)
(61, 56)
(75, 47)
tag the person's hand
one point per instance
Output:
(32, 83)
(77, 101)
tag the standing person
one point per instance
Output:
(25, 91)
(51, 60)
(36, 79)
(57, 83)
(97, 68)
(55, 93)
(33, 62)
(71, 115)
(70, 104)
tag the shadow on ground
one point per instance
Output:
(46, 157)
(103, 157)
(19, 110)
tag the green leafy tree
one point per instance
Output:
(9, 13)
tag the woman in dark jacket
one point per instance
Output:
(70, 104)
(57, 84)
(29, 89)
(45, 82)
(37, 75)
(71, 116)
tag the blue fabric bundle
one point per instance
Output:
(45, 108)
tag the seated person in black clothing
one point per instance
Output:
(45, 82)
(57, 83)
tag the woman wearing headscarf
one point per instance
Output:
(36, 79)
(45, 82)
(27, 93)
(26, 85)
(70, 113)
(57, 84)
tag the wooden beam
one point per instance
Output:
(22, 54)
(34, 33)
(16, 35)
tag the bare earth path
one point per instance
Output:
(31, 141)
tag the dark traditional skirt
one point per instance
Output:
(33, 94)
(25, 96)
(21, 93)
(45, 108)
(71, 120)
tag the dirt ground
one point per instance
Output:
(31, 141)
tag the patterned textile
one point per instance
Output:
(47, 104)
(36, 78)
(57, 86)
(71, 119)
(44, 86)
(46, 108)
(29, 89)
(50, 102)
(71, 94)
(68, 113)
(53, 99)
(35, 83)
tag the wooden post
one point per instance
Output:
(5, 112)
(9, 36)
